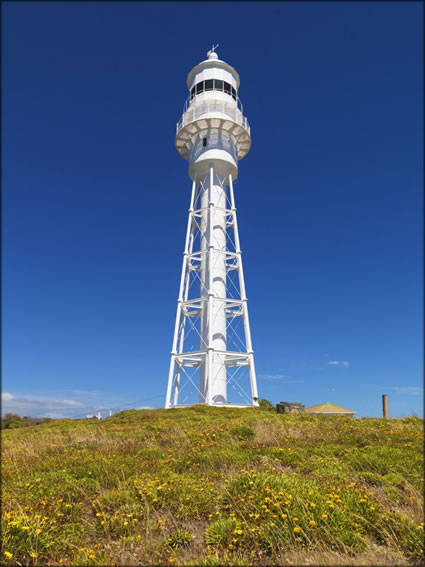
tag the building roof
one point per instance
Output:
(329, 409)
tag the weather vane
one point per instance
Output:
(212, 50)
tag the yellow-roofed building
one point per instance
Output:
(329, 409)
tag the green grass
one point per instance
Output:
(213, 486)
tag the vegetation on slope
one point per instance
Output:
(213, 486)
(13, 421)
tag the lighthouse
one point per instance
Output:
(212, 359)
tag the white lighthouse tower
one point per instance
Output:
(212, 359)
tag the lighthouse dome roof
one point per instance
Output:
(213, 63)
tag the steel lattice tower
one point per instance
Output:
(212, 360)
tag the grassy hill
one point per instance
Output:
(214, 486)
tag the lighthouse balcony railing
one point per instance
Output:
(196, 98)
(197, 112)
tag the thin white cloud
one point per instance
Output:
(85, 393)
(411, 390)
(6, 396)
(90, 403)
(73, 403)
(37, 405)
(281, 377)
(272, 376)
(338, 363)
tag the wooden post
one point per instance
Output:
(385, 406)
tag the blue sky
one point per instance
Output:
(95, 198)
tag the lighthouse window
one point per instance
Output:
(213, 84)
(204, 142)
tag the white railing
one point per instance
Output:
(191, 99)
(196, 112)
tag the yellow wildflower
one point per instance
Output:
(297, 529)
